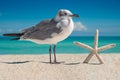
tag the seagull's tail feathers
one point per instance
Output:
(16, 35)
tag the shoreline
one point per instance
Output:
(37, 67)
(58, 53)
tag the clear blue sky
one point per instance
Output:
(102, 14)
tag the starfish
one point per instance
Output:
(94, 50)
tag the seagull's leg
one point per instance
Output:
(50, 52)
(54, 50)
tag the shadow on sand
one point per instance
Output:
(94, 63)
(20, 62)
(73, 63)
(62, 62)
(53, 62)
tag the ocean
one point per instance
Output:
(8, 46)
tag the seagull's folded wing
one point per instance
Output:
(42, 30)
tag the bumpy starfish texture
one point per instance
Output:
(95, 50)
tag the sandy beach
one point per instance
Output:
(37, 67)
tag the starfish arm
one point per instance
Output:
(96, 39)
(83, 45)
(99, 58)
(106, 47)
(88, 57)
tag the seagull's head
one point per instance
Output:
(65, 14)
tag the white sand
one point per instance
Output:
(36, 67)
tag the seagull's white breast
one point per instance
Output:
(67, 28)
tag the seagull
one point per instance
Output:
(50, 31)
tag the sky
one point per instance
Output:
(104, 15)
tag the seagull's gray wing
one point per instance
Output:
(42, 30)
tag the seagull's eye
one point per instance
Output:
(65, 13)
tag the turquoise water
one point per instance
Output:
(8, 46)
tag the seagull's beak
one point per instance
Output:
(75, 15)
